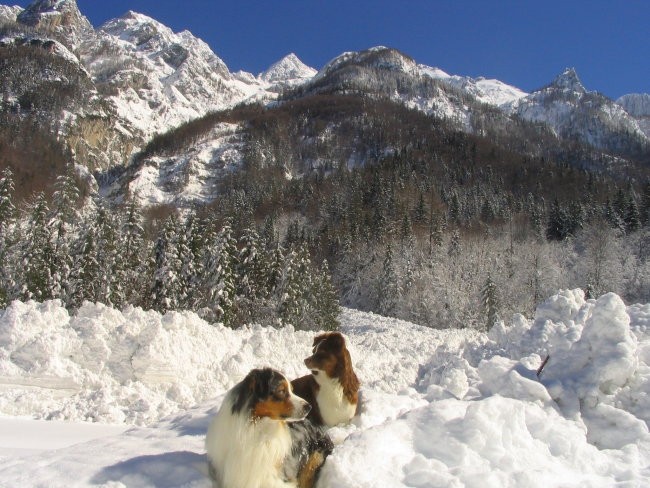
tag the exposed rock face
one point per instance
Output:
(61, 16)
(638, 106)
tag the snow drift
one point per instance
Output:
(439, 408)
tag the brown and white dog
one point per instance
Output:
(259, 438)
(332, 388)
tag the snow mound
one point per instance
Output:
(132, 366)
(454, 408)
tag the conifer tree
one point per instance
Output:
(164, 292)
(388, 286)
(490, 302)
(189, 256)
(38, 260)
(7, 219)
(645, 204)
(64, 220)
(109, 288)
(219, 276)
(327, 301)
(295, 289)
(85, 273)
(632, 216)
(133, 251)
(7, 208)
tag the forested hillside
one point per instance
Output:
(138, 169)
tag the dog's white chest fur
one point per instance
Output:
(246, 454)
(333, 404)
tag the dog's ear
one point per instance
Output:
(318, 339)
(244, 391)
(335, 340)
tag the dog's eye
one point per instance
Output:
(281, 392)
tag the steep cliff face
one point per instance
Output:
(60, 16)
(638, 106)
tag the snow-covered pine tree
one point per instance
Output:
(218, 283)
(251, 266)
(85, 272)
(645, 204)
(133, 249)
(295, 289)
(65, 219)
(189, 256)
(7, 208)
(632, 217)
(109, 288)
(326, 301)
(490, 302)
(165, 292)
(7, 220)
(388, 287)
(38, 260)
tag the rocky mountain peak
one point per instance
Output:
(57, 15)
(569, 80)
(288, 68)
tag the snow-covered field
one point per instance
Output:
(123, 398)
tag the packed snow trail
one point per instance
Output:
(439, 408)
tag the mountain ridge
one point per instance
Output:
(145, 80)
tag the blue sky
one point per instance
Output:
(521, 42)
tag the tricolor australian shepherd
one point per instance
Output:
(259, 438)
(333, 388)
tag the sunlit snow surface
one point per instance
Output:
(439, 408)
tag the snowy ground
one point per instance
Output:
(440, 408)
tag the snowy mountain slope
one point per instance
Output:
(388, 73)
(9, 14)
(489, 91)
(60, 16)
(158, 79)
(441, 408)
(289, 70)
(638, 106)
(150, 79)
(575, 113)
(189, 178)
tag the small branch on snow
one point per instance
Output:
(541, 368)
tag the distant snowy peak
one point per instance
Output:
(58, 15)
(288, 69)
(138, 29)
(573, 112)
(9, 14)
(379, 57)
(636, 104)
(489, 91)
(148, 36)
(568, 81)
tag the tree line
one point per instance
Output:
(61, 250)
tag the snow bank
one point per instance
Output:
(453, 408)
(133, 366)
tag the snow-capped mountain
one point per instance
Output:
(139, 79)
(638, 106)
(573, 112)
(145, 78)
(489, 91)
(60, 16)
(288, 71)
(9, 14)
